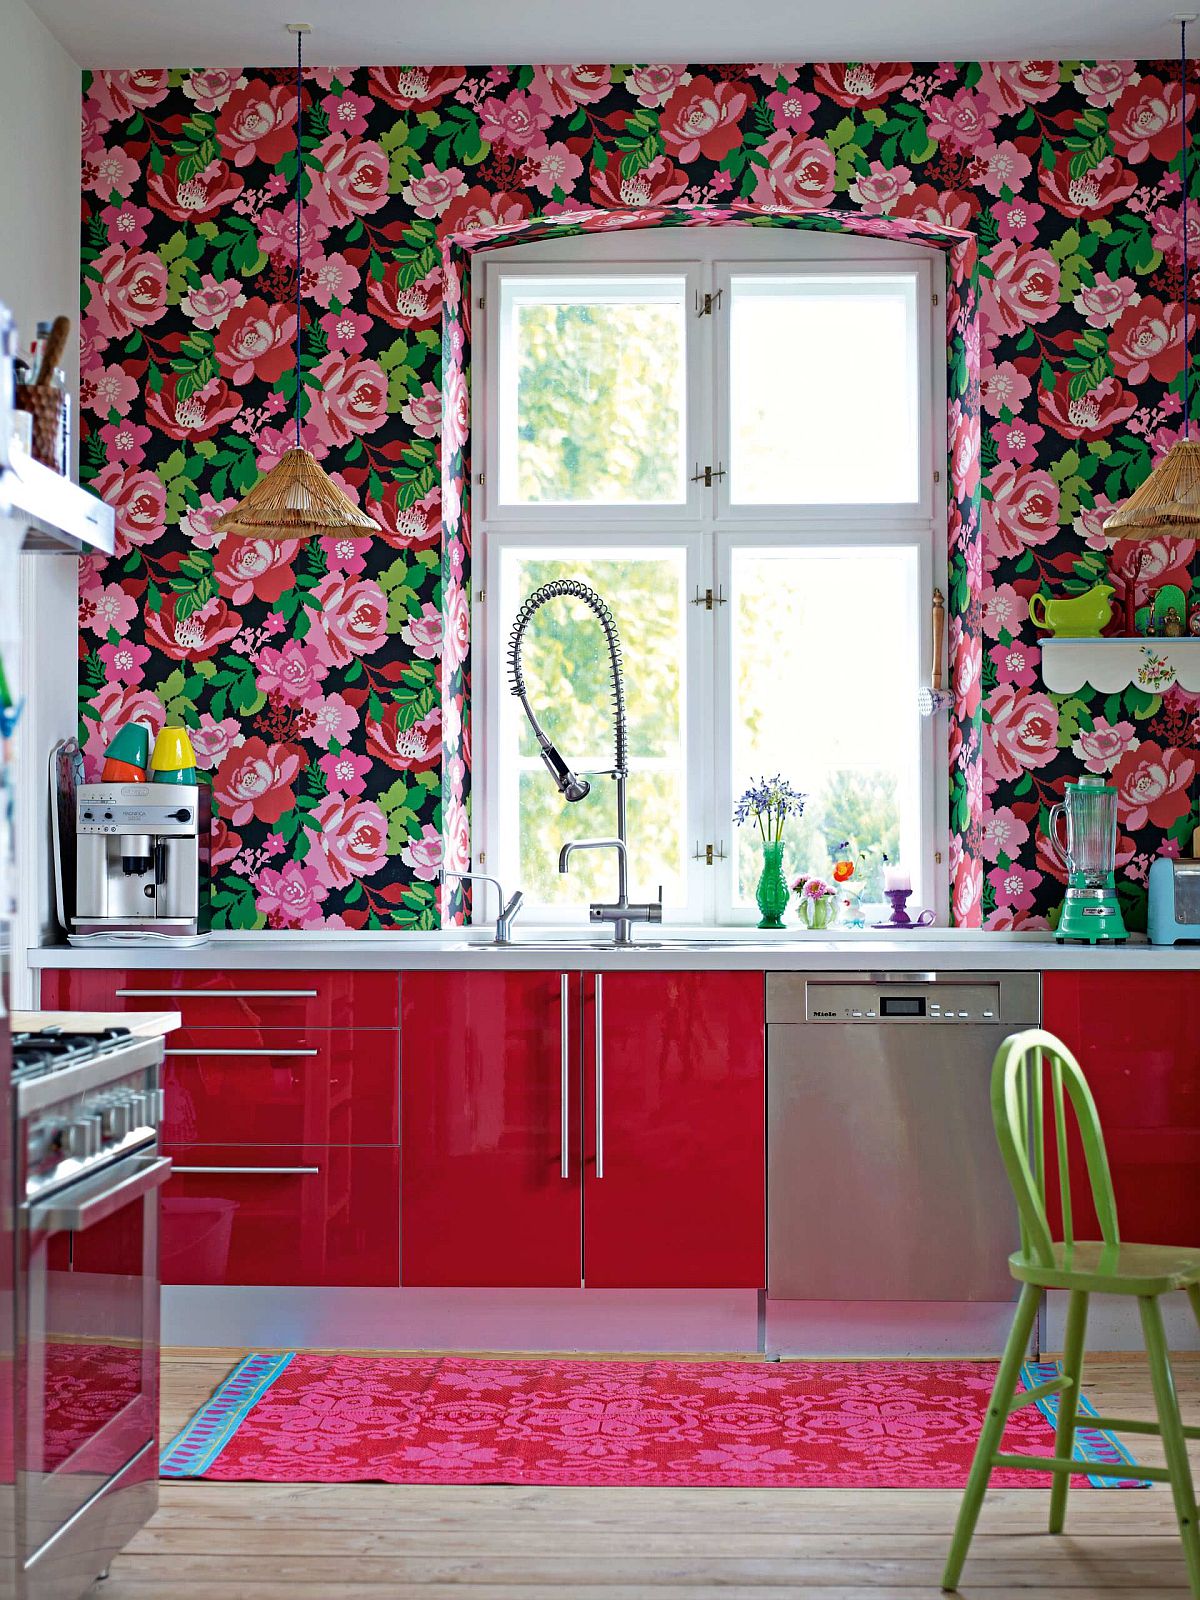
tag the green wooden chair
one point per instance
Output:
(1084, 1268)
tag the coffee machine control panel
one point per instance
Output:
(137, 808)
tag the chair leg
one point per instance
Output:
(1167, 1404)
(1068, 1404)
(990, 1434)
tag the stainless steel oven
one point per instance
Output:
(87, 1312)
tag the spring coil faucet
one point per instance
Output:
(570, 784)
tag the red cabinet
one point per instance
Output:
(281, 1214)
(660, 1182)
(281, 1086)
(1137, 1037)
(220, 999)
(485, 1061)
(673, 1091)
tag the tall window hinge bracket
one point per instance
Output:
(706, 304)
(482, 301)
(937, 476)
(709, 854)
(479, 478)
(708, 599)
(936, 298)
(707, 475)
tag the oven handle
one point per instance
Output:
(54, 1217)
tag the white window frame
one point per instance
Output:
(708, 528)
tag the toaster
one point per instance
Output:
(1174, 912)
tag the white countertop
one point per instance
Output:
(740, 950)
(144, 1024)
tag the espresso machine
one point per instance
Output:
(1091, 911)
(142, 862)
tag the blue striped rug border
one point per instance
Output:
(1091, 1444)
(198, 1444)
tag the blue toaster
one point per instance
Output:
(1174, 912)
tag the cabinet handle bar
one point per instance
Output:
(198, 1050)
(564, 1029)
(218, 994)
(263, 1171)
(599, 1075)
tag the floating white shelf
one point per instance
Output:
(1151, 665)
(55, 513)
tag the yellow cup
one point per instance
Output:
(172, 751)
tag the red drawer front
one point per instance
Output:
(318, 1215)
(296, 999)
(282, 1085)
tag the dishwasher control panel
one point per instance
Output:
(902, 1002)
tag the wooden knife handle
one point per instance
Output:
(56, 343)
(939, 631)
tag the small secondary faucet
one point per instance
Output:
(570, 784)
(507, 913)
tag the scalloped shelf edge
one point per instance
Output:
(1151, 665)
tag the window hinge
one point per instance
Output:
(480, 597)
(709, 853)
(479, 478)
(937, 477)
(706, 304)
(482, 858)
(482, 301)
(705, 475)
(708, 599)
(936, 297)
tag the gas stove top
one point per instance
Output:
(54, 1049)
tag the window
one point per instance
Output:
(731, 436)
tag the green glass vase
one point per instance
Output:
(772, 892)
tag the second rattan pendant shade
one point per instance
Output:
(296, 500)
(1167, 503)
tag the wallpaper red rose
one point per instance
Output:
(326, 685)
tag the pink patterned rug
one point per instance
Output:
(308, 1418)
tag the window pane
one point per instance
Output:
(567, 676)
(825, 679)
(823, 390)
(592, 391)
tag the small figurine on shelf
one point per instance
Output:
(1172, 624)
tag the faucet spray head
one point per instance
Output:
(570, 785)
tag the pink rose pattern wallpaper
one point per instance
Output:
(326, 684)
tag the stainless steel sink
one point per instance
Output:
(543, 945)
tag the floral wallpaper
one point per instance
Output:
(327, 685)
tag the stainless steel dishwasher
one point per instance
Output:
(890, 1219)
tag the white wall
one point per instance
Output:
(39, 277)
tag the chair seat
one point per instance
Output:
(1089, 1264)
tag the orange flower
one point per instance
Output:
(843, 870)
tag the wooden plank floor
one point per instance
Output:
(237, 1541)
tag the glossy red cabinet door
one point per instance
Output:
(675, 1178)
(1137, 1037)
(215, 998)
(281, 1214)
(483, 1065)
(281, 1086)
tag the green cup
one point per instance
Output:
(131, 744)
(180, 775)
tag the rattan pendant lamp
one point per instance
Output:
(297, 499)
(1167, 505)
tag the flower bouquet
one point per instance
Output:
(817, 902)
(769, 803)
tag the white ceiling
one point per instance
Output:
(114, 33)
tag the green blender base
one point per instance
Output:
(1092, 922)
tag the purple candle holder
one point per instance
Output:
(896, 898)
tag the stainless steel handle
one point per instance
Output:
(279, 1172)
(599, 1076)
(564, 1028)
(198, 1050)
(54, 1217)
(219, 994)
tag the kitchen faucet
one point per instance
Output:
(571, 785)
(507, 913)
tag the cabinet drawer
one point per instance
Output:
(281, 1085)
(296, 999)
(281, 1214)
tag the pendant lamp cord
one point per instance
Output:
(299, 202)
(1183, 162)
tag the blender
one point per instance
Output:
(1090, 909)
